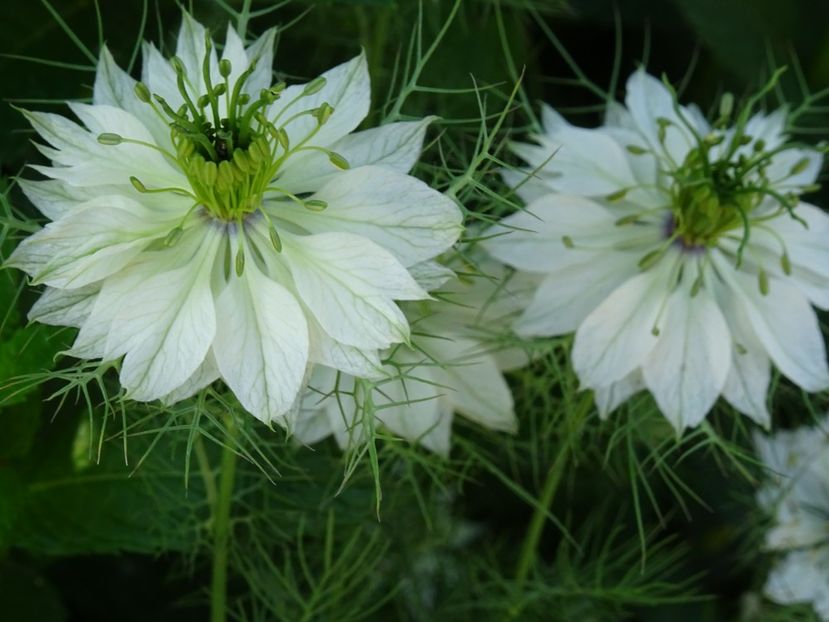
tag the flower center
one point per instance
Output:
(227, 146)
(714, 192)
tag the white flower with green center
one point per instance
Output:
(797, 497)
(453, 366)
(209, 224)
(677, 250)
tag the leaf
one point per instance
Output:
(103, 509)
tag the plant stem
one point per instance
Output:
(221, 529)
(529, 548)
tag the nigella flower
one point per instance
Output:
(679, 252)
(797, 497)
(454, 365)
(210, 224)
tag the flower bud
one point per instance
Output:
(225, 67)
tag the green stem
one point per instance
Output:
(221, 529)
(529, 548)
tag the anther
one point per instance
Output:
(651, 258)
(142, 92)
(240, 261)
(173, 236)
(763, 282)
(314, 86)
(108, 138)
(636, 150)
(339, 161)
(276, 242)
(800, 166)
(617, 196)
(315, 205)
(136, 183)
(786, 264)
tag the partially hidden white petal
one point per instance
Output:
(474, 385)
(413, 407)
(610, 397)
(532, 239)
(64, 307)
(565, 297)
(204, 375)
(327, 351)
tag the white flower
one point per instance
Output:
(208, 224)
(677, 251)
(454, 366)
(797, 496)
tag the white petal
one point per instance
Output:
(327, 351)
(191, 49)
(347, 89)
(619, 334)
(311, 423)
(64, 307)
(532, 239)
(261, 50)
(649, 101)
(114, 87)
(82, 161)
(166, 323)
(54, 198)
(350, 284)
(430, 275)
(779, 171)
(574, 160)
(411, 406)
(750, 373)
(396, 211)
(610, 397)
(234, 52)
(785, 323)
(205, 374)
(528, 186)
(687, 369)
(567, 296)
(801, 577)
(158, 75)
(395, 146)
(262, 346)
(807, 247)
(90, 243)
(473, 383)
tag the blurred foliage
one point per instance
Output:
(648, 529)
